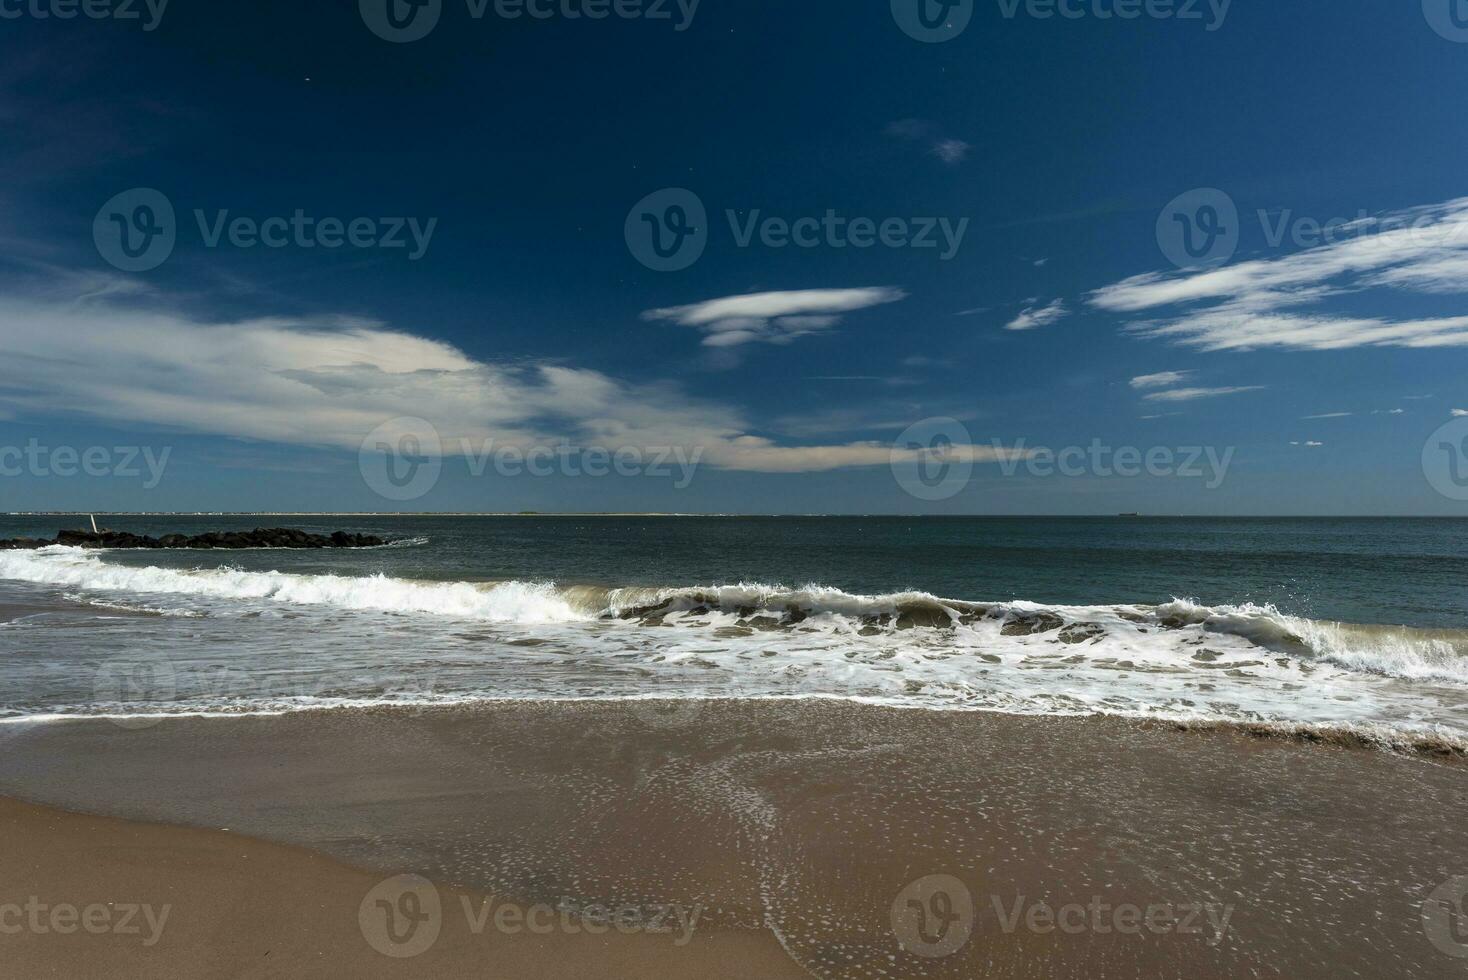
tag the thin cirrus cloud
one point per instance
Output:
(951, 151)
(128, 357)
(775, 317)
(1326, 415)
(1276, 302)
(1032, 318)
(1162, 379)
(1194, 394)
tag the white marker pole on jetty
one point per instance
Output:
(94, 523)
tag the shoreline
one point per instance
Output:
(799, 825)
(1444, 747)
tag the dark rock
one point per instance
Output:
(927, 616)
(1026, 625)
(258, 538)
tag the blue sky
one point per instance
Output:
(1048, 160)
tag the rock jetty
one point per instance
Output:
(261, 537)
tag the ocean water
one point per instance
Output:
(1357, 624)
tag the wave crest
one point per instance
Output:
(1439, 656)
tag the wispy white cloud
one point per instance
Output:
(1275, 303)
(773, 318)
(84, 349)
(1162, 379)
(950, 151)
(1311, 444)
(1035, 317)
(1460, 412)
(1327, 415)
(1193, 394)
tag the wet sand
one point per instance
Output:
(781, 838)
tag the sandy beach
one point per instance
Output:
(710, 839)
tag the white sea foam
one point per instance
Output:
(1179, 659)
(521, 602)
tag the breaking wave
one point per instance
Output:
(1387, 651)
(1181, 660)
